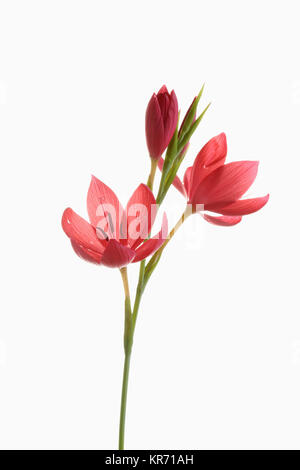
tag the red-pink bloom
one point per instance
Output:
(114, 237)
(217, 186)
(161, 121)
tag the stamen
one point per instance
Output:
(106, 237)
(122, 235)
(110, 221)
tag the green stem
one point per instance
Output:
(131, 316)
(128, 338)
(152, 173)
(138, 295)
(130, 321)
(139, 289)
(124, 400)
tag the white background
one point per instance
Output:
(216, 360)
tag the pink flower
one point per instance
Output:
(217, 186)
(114, 237)
(161, 121)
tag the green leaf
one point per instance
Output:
(190, 116)
(191, 131)
(169, 158)
(169, 177)
(171, 150)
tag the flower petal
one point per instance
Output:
(86, 254)
(225, 185)
(80, 231)
(104, 209)
(154, 127)
(160, 163)
(163, 89)
(117, 255)
(244, 206)
(141, 212)
(163, 98)
(153, 244)
(170, 122)
(176, 181)
(210, 157)
(187, 179)
(224, 221)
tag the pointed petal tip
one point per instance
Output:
(221, 139)
(244, 206)
(67, 213)
(64, 217)
(264, 200)
(94, 179)
(80, 231)
(139, 192)
(100, 200)
(163, 89)
(144, 186)
(68, 209)
(160, 163)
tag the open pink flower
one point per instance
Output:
(114, 237)
(218, 187)
(161, 121)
